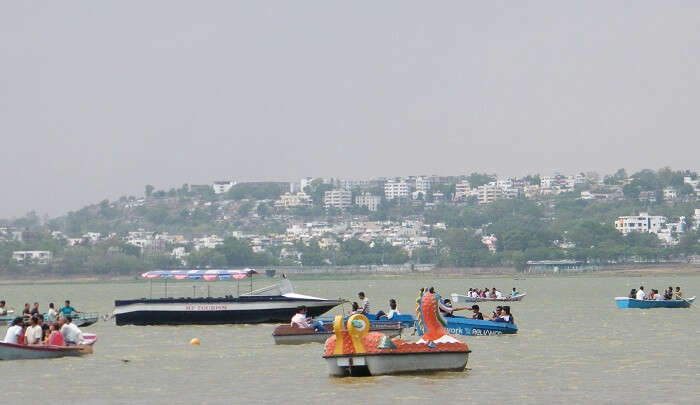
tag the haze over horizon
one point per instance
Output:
(99, 99)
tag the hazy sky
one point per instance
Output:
(98, 99)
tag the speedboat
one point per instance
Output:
(11, 351)
(288, 335)
(260, 306)
(459, 298)
(625, 302)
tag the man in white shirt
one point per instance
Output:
(299, 320)
(364, 306)
(641, 294)
(14, 331)
(34, 333)
(499, 294)
(71, 334)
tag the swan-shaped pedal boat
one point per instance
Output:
(354, 350)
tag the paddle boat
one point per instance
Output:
(460, 325)
(288, 335)
(11, 351)
(260, 306)
(355, 351)
(625, 302)
(462, 299)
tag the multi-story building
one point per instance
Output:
(640, 223)
(647, 196)
(395, 189)
(221, 187)
(288, 200)
(305, 182)
(670, 194)
(368, 200)
(337, 198)
(32, 256)
(462, 190)
(423, 185)
(489, 193)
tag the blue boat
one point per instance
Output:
(625, 302)
(460, 325)
(457, 325)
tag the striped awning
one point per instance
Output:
(209, 275)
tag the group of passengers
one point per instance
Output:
(37, 332)
(486, 293)
(33, 327)
(655, 295)
(501, 314)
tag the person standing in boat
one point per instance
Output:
(364, 303)
(68, 310)
(641, 294)
(299, 320)
(53, 315)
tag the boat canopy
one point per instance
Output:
(209, 275)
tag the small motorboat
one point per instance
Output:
(287, 335)
(355, 351)
(11, 351)
(625, 302)
(461, 299)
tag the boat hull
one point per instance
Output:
(187, 311)
(10, 351)
(286, 335)
(624, 302)
(473, 327)
(459, 298)
(401, 363)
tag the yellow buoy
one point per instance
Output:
(194, 342)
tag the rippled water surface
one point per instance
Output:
(573, 345)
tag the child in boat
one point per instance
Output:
(55, 337)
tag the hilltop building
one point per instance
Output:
(337, 198)
(368, 200)
(221, 187)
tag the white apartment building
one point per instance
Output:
(670, 194)
(221, 187)
(368, 200)
(337, 198)
(423, 185)
(32, 256)
(696, 219)
(489, 193)
(640, 223)
(395, 189)
(305, 182)
(462, 190)
(288, 200)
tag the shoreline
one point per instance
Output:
(627, 271)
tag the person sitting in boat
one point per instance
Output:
(55, 337)
(355, 308)
(52, 314)
(68, 310)
(71, 334)
(3, 309)
(364, 303)
(641, 294)
(657, 295)
(668, 293)
(446, 308)
(514, 293)
(392, 311)
(476, 313)
(14, 332)
(495, 314)
(678, 295)
(34, 333)
(633, 294)
(299, 320)
(505, 315)
(497, 293)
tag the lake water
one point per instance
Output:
(573, 345)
